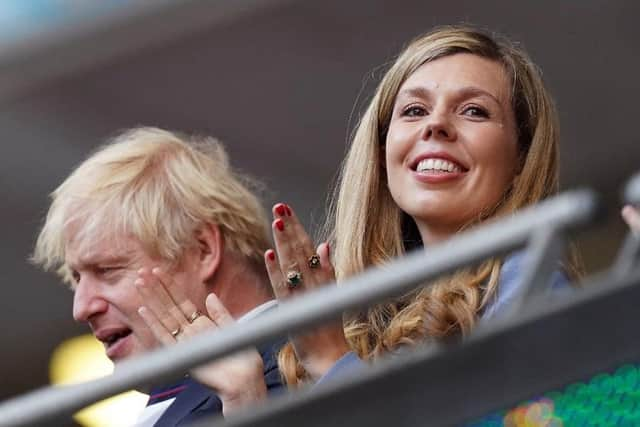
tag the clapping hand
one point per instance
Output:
(237, 379)
(294, 268)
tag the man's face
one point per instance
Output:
(106, 298)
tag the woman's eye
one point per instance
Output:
(414, 111)
(474, 111)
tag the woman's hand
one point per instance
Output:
(631, 216)
(294, 269)
(237, 379)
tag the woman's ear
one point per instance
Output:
(210, 247)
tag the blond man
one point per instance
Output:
(159, 239)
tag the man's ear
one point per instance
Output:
(210, 248)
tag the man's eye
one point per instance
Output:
(106, 270)
(75, 276)
(414, 111)
(474, 111)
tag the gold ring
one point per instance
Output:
(313, 261)
(294, 278)
(176, 332)
(194, 316)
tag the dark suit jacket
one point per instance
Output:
(197, 401)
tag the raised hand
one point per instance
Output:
(171, 316)
(295, 267)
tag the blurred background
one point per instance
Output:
(282, 83)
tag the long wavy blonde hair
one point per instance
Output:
(367, 228)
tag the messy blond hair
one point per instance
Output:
(159, 188)
(362, 239)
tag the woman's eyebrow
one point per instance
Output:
(471, 91)
(463, 92)
(414, 92)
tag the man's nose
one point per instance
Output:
(87, 301)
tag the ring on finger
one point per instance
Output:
(194, 316)
(313, 261)
(176, 332)
(294, 279)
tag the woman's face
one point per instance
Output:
(451, 150)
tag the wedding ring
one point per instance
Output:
(176, 332)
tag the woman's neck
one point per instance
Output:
(433, 234)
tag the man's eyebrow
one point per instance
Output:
(93, 261)
(464, 92)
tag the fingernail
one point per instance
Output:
(156, 270)
(281, 209)
(288, 210)
(279, 224)
(271, 255)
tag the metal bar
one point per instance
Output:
(507, 362)
(629, 254)
(566, 211)
(632, 190)
(542, 258)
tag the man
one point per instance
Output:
(151, 200)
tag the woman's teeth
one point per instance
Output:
(438, 165)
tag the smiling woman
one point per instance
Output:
(451, 150)
(462, 130)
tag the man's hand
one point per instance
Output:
(237, 379)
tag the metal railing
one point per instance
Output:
(629, 255)
(542, 226)
(550, 344)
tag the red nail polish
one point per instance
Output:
(279, 224)
(288, 210)
(271, 255)
(280, 209)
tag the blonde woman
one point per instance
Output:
(460, 130)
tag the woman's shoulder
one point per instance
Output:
(348, 364)
(511, 280)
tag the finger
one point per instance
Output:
(326, 265)
(291, 241)
(278, 282)
(152, 297)
(218, 313)
(187, 308)
(171, 309)
(156, 327)
(299, 230)
(632, 218)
